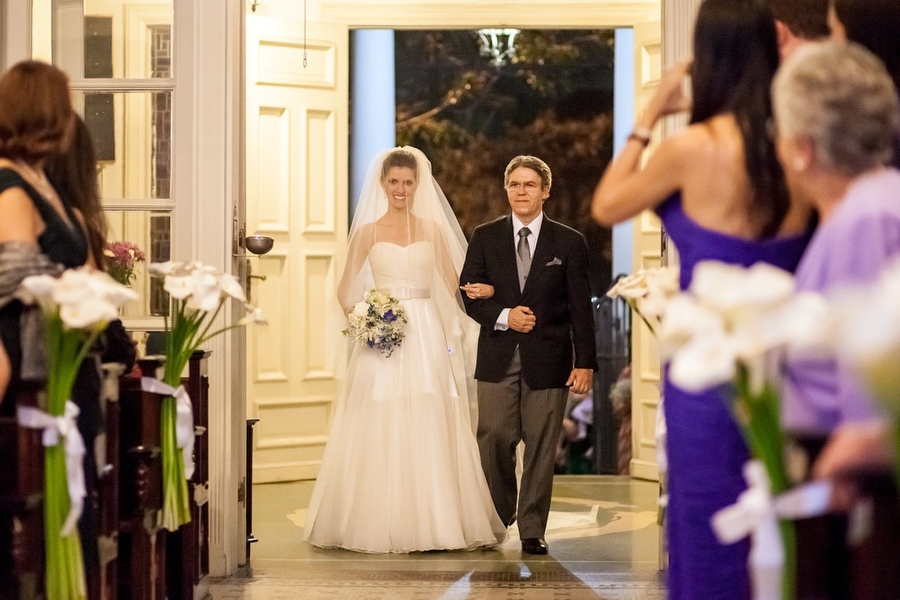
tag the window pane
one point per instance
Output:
(113, 38)
(152, 233)
(132, 134)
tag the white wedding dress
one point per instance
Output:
(401, 471)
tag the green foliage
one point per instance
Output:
(470, 117)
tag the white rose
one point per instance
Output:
(361, 309)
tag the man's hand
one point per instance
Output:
(521, 319)
(580, 380)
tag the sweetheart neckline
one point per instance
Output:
(398, 245)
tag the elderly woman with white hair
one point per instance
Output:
(837, 115)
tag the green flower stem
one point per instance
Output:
(759, 418)
(181, 342)
(65, 566)
(634, 308)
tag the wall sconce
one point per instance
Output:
(498, 44)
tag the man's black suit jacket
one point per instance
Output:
(557, 290)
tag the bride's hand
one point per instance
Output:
(478, 291)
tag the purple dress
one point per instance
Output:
(851, 248)
(705, 449)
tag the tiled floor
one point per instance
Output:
(604, 543)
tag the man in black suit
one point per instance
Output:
(539, 312)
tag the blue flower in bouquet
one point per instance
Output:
(377, 322)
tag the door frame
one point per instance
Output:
(531, 14)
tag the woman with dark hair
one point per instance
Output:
(875, 25)
(74, 175)
(721, 195)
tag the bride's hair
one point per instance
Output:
(399, 158)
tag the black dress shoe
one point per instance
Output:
(534, 546)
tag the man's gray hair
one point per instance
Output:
(529, 162)
(840, 97)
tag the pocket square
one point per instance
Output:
(553, 262)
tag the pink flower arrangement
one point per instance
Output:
(121, 259)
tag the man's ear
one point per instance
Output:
(786, 37)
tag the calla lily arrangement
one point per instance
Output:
(648, 292)
(77, 308)
(730, 328)
(197, 294)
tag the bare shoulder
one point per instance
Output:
(366, 232)
(20, 221)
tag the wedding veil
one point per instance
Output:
(430, 220)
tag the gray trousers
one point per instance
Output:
(510, 411)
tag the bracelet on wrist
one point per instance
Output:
(640, 134)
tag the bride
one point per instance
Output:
(401, 471)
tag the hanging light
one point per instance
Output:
(498, 44)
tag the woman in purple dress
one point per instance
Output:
(838, 116)
(720, 193)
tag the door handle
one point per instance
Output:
(250, 278)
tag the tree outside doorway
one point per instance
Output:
(553, 98)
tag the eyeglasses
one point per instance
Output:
(529, 186)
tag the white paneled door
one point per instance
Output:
(297, 194)
(645, 373)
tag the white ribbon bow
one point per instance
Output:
(756, 514)
(184, 419)
(64, 426)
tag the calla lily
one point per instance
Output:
(77, 307)
(231, 287)
(731, 289)
(632, 286)
(197, 293)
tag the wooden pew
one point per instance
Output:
(188, 548)
(142, 547)
(21, 502)
(107, 452)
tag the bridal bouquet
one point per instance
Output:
(726, 330)
(377, 322)
(197, 293)
(77, 308)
